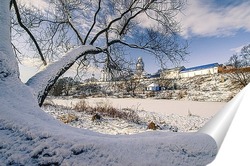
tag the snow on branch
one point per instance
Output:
(43, 81)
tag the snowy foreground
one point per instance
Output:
(33, 137)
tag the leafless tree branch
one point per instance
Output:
(112, 22)
(70, 23)
(94, 22)
(28, 31)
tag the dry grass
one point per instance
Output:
(180, 95)
(169, 95)
(152, 126)
(81, 106)
(106, 109)
(67, 118)
(150, 94)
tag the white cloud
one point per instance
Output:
(237, 50)
(202, 18)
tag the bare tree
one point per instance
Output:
(240, 73)
(23, 123)
(131, 85)
(245, 55)
(104, 25)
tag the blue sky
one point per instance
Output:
(204, 50)
(215, 30)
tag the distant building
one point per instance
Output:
(172, 73)
(139, 66)
(156, 75)
(182, 72)
(105, 76)
(153, 87)
(139, 72)
(108, 73)
(200, 70)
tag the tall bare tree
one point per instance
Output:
(104, 25)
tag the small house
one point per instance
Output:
(153, 87)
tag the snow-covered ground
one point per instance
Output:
(31, 137)
(186, 116)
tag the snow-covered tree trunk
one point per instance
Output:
(8, 62)
(43, 81)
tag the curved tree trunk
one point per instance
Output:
(42, 82)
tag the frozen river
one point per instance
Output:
(204, 109)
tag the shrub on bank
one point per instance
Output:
(105, 109)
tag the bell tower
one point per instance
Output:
(139, 66)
